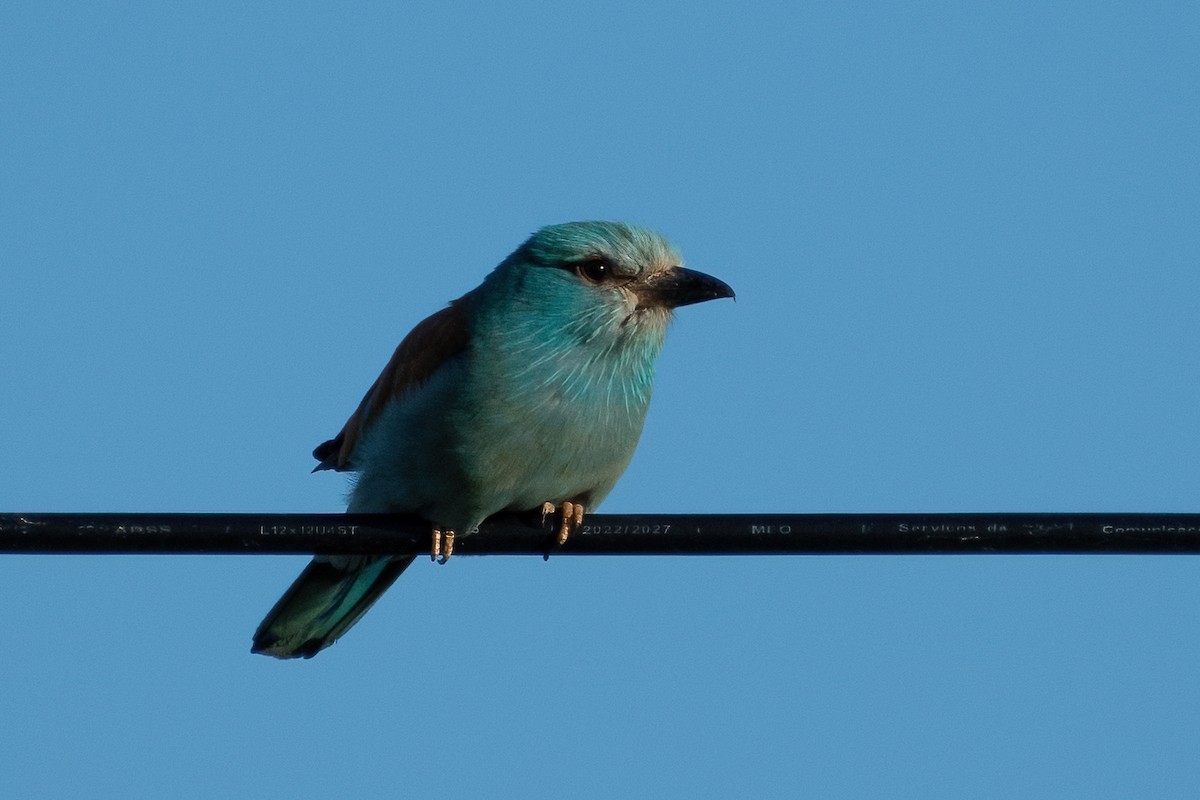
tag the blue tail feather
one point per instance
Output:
(324, 602)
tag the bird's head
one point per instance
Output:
(606, 276)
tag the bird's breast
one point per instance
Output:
(557, 422)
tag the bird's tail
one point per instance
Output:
(324, 602)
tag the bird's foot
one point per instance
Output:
(443, 546)
(570, 518)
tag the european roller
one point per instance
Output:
(528, 392)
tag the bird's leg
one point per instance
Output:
(548, 509)
(443, 546)
(572, 518)
(569, 519)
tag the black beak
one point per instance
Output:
(679, 286)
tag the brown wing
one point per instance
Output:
(429, 345)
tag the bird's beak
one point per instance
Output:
(679, 286)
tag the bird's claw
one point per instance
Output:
(570, 518)
(443, 546)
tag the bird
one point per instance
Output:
(528, 392)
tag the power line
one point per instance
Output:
(608, 534)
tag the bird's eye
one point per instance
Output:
(595, 270)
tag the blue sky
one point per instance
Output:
(964, 241)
